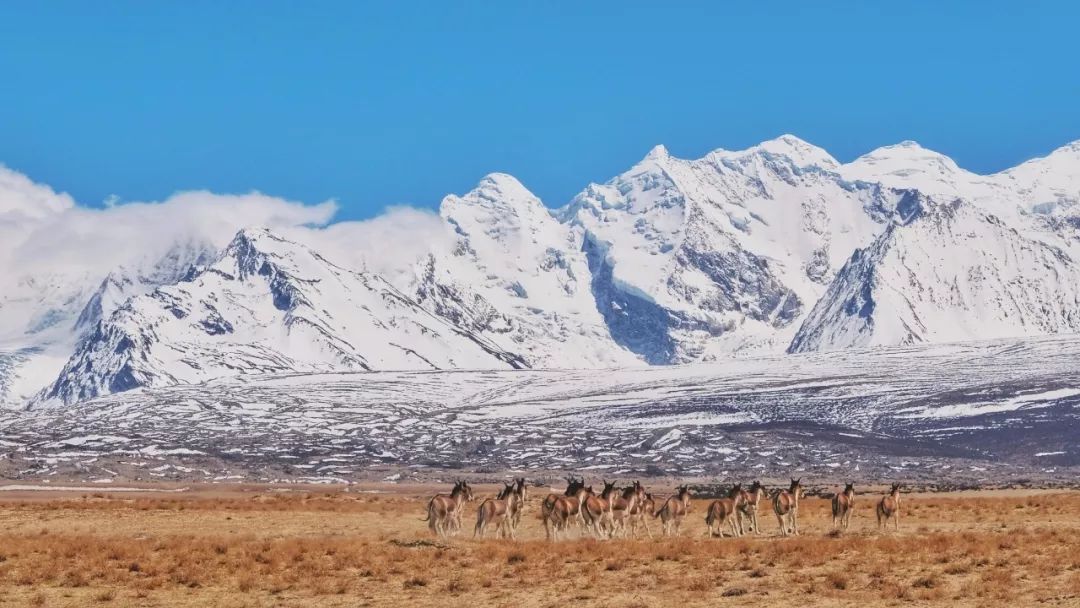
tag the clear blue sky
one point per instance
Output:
(401, 102)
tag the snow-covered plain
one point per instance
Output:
(998, 410)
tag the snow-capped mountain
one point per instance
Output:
(776, 248)
(955, 273)
(983, 257)
(519, 277)
(266, 305)
(45, 316)
(694, 259)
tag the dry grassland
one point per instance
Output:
(353, 550)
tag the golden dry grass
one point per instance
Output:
(371, 550)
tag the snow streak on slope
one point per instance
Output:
(988, 411)
(266, 305)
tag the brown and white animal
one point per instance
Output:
(597, 511)
(889, 507)
(725, 511)
(748, 510)
(559, 511)
(498, 511)
(444, 510)
(673, 510)
(843, 504)
(640, 512)
(786, 507)
(521, 490)
(572, 486)
(622, 507)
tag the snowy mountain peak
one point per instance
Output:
(499, 187)
(802, 153)
(658, 152)
(906, 153)
(498, 195)
(908, 165)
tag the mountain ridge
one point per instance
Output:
(776, 248)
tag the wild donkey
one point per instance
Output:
(640, 512)
(622, 507)
(444, 510)
(572, 486)
(725, 511)
(748, 510)
(786, 506)
(674, 509)
(499, 511)
(557, 511)
(889, 506)
(597, 511)
(842, 506)
(522, 492)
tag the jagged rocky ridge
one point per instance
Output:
(776, 248)
(266, 305)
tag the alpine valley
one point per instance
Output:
(771, 257)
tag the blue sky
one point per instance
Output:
(375, 104)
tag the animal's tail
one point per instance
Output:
(478, 530)
(428, 517)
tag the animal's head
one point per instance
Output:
(796, 487)
(756, 487)
(521, 488)
(574, 485)
(736, 490)
(609, 489)
(508, 489)
(895, 489)
(849, 488)
(467, 489)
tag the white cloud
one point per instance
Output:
(388, 244)
(21, 199)
(80, 239)
(46, 238)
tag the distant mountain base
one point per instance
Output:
(1005, 411)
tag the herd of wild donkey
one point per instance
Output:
(615, 513)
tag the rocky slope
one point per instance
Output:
(266, 305)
